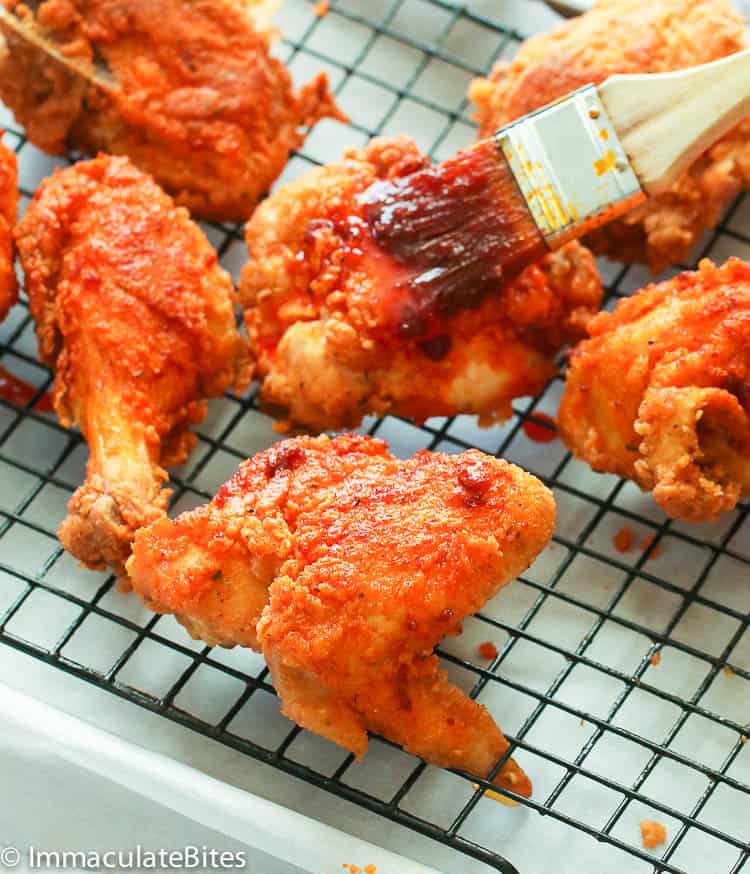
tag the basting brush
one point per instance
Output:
(463, 226)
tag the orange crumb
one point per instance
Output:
(647, 543)
(656, 658)
(370, 869)
(488, 650)
(282, 426)
(653, 833)
(728, 672)
(320, 9)
(351, 869)
(623, 540)
(496, 796)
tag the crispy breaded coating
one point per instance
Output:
(346, 567)
(8, 205)
(197, 101)
(660, 393)
(633, 36)
(334, 336)
(136, 317)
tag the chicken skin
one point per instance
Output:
(633, 36)
(189, 92)
(335, 334)
(346, 566)
(137, 318)
(660, 393)
(8, 202)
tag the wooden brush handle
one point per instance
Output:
(666, 120)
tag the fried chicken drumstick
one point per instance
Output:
(346, 567)
(190, 94)
(660, 393)
(8, 202)
(336, 333)
(633, 36)
(136, 317)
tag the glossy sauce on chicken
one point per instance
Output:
(338, 330)
(434, 242)
(461, 228)
(404, 314)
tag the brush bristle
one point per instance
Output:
(462, 227)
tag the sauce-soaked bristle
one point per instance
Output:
(462, 228)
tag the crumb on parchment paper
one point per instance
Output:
(656, 658)
(623, 540)
(653, 833)
(320, 9)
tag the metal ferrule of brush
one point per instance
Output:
(570, 166)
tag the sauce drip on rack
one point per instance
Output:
(541, 429)
(20, 393)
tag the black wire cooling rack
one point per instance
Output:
(621, 678)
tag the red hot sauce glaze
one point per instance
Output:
(461, 228)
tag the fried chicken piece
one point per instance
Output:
(633, 36)
(660, 393)
(334, 336)
(196, 99)
(8, 202)
(347, 566)
(136, 317)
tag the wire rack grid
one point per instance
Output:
(621, 678)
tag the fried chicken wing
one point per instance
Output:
(136, 317)
(633, 36)
(8, 201)
(195, 98)
(335, 334)
(346, 567)
(660, 393)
